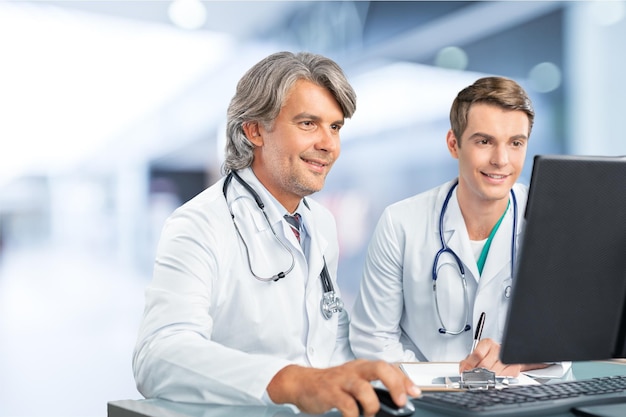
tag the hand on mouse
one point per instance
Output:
(344, 387)
(388, 408)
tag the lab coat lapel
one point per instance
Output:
(318, 245)
(322, 332)
(245, 208)
(499, 256)
(455, 233)
(274, 215)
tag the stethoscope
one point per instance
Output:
(446, 249)
(330, 302)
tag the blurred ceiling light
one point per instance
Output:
(545, 77)
(187, 14)
(607, 13)
(451, 57)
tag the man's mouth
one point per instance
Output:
(316, 162)
(495, 176)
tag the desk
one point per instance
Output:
(163, 408)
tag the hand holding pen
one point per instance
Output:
(486, 354)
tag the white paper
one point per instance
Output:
(423, 374)
(556, 370)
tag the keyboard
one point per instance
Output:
(524, 400)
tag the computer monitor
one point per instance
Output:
(569, 287)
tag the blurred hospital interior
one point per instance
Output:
(112, 114)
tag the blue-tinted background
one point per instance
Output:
(111, 115)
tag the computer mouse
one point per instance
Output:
(388, 408)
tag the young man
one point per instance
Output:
(244, 306)
(439, 259)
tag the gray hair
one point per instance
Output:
(261, 93)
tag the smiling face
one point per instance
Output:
(491, 153)
(293, 158)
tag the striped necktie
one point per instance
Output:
(294, 221)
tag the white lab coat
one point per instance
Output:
(213, 333)
(394, 316)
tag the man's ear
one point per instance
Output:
(251, 129)
(453, 144)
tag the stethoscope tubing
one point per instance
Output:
(446, 249)
(329, 303)
(259, 202)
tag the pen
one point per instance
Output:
(479, 330)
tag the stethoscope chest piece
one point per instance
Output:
(330, 304)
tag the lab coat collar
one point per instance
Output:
(499, 256)
(455, 233)
(254, 212)
(317, 244)
(501, 244)
(275, 212)
(273, 208)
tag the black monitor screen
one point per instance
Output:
(569, 287)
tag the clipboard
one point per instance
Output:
(445, 376)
